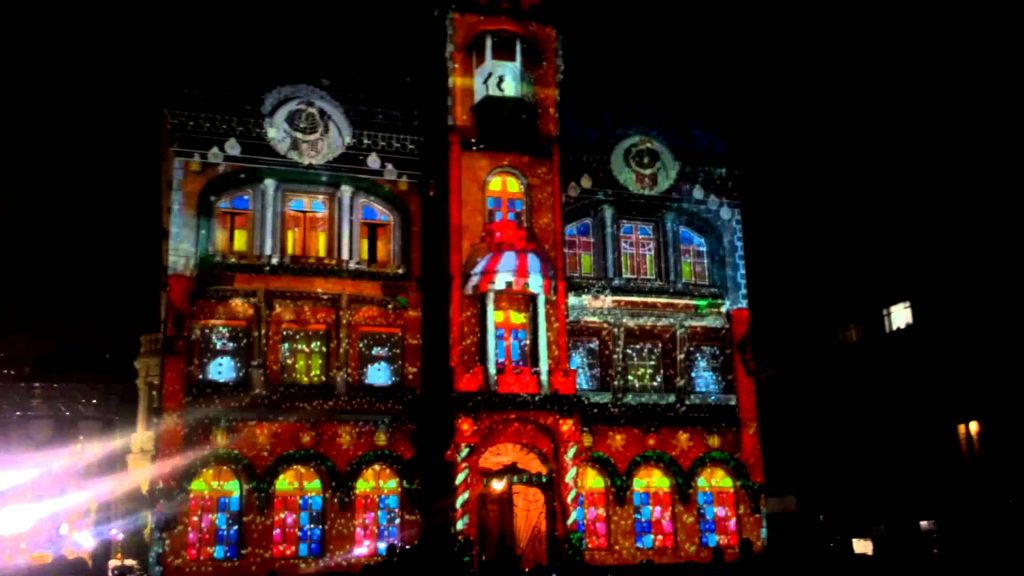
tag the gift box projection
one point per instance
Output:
(598, 333)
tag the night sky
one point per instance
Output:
(872, 147)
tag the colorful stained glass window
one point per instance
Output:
(376, 234)
(643, 366)
(223, 351)
(693, 257)
(307, 226)
(214, 515)
(579, 248)
(298, 514)
(592, 509)
(505, 198)
(638, 248)
(304, 354)
(652, 509)
(584, 358)
(232, 216)
(716, 509)
(378, 510)
(511, 338)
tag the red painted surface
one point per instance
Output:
(746, 397)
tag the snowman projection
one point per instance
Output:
(381, 372)
(224, 366)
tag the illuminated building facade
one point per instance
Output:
(291, 345)
(602, 408)
(605, 411)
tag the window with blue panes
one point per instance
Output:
(505, 198)
(693, 257)
(306, 226)
(511, 339)
(233, 219)
(376, 234)
(652, 509)
(706, 370)
(298, 514)
(579, 248)
(638, 250)
(378, 511)
(716, 509)
(214, 515)
(592, 508)
(584, 358)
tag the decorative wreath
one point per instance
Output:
(644, 165)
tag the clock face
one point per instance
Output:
(644, 165)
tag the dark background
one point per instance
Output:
(876, 147)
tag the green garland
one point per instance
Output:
(305, 457)
(667, 463)
(231, 458)
(738, 471)
(603, 462)
(367, 459)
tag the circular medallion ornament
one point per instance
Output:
(305, 124)
(644, 165)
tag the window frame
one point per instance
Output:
(312, 527)
(289, 195)
(578, 251)
(664, 492)
(635, 253)
(689, 253)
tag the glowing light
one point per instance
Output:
(64, 529)
(85, 540)
(19, 518)
(498, 485)
(975, 427)
(9, 478)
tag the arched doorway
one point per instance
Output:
(515, 507)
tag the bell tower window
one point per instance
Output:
(498, 67)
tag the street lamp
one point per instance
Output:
(973, 430)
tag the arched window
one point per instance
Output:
(579, 248)
(637, 244)
(506, 200)
(511, 338)
(376, 234)
(652, 509)
(378, 511)
(214, 515)
(716, 509)
(232, 220)
(592, 510)
(307, 229)
(298, 514)
(693, 257)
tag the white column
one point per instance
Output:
(542, 343)
(609, 240)
(671, 244)
(357, 222)
(269, 216)
(346, 222)
(492, 361)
